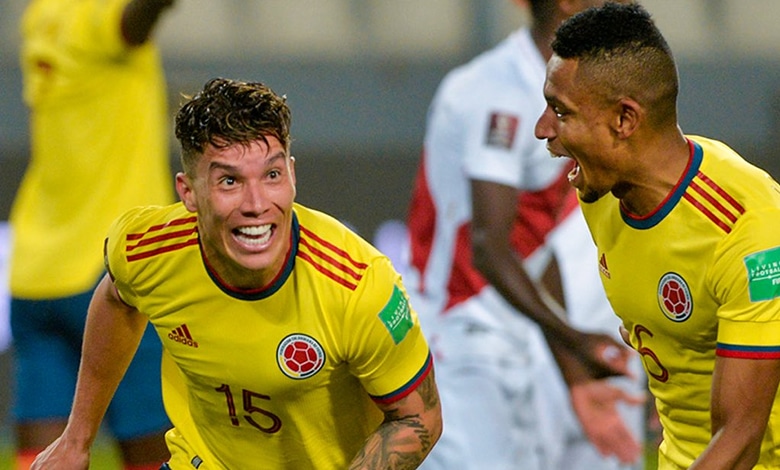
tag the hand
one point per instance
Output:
(595, 404)
(604, 356)
(61, 455)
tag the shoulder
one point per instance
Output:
(491, 78)
(333, 248)
(148, 231)
(144, 220)
(147, 245)
(740, 184)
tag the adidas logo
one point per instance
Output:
(182, 335)
(603, 266)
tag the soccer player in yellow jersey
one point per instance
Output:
(288, 340)
(688, 237)
(95, 89)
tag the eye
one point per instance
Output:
(559, 113)
(227, 181)
(274, 174)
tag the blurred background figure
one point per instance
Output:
(94, 85)
(487, 200)
(392, 239)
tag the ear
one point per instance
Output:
(628, 117)
(292, 169)
(186, 192)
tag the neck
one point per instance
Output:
(660, 166)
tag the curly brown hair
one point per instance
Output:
(228, 112)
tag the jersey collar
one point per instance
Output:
(273, 286)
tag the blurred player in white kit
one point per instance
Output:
(492, 220)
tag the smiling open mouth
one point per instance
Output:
(255, 234)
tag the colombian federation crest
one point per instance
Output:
(300, 356)
(674, 297)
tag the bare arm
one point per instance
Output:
(411, 427)
(113, 332)
(140, 17)
(579, 355)
(743, 391)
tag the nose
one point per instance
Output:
(545, 125)
(254, 200)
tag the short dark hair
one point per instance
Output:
(624, 53)
(228, 112)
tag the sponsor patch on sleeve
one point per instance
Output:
(502, 130)
(763, 270)
(396, 316)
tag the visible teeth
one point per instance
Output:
(255, 230)
(573, 173)
(255, 235)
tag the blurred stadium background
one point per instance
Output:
(359, 75)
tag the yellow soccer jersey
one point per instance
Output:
(697, 277)
(278, 377)
(99, 142)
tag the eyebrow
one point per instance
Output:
(550, 97)
(273, 159)
(554, 101)
(227, 167)
(220, 166)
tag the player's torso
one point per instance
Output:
(286, 373)
(659, 275)
(656, 281)
(263, 369)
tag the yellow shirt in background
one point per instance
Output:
(99, 142)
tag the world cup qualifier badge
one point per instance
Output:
(674, 297)
(763, 270)
(300, 356)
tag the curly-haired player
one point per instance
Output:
(288, 340)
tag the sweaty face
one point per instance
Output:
(576, 126)
(243, 195)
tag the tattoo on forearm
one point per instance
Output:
(428, 392)
(403, 440)
(394, 446)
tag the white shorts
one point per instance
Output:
(486, 383)
(506, 406)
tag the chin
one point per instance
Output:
(255, 263)
(589, 196)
